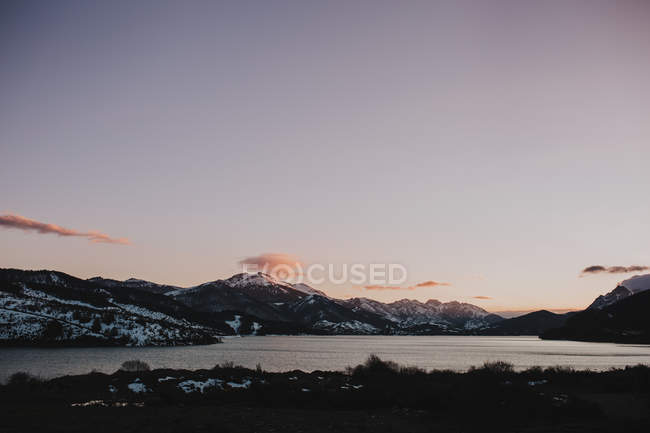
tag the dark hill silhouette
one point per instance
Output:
(626, 321)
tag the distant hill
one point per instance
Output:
(625, 321)
(533, 323)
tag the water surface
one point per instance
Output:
(308, 353)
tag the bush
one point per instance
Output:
(495, 367)
(135, 365)
(411, 370)
(96, 327)
(53, 330)
(374, 366)
(108, 317)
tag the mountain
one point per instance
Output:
(134, 283)
(265, 297)
(46, 307)
(619, 293)
(49, 307)
(625, 321)
(533, 323)
(636, 284)
(408, 313)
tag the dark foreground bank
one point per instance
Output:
(377, 396)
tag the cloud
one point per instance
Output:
(418, 285)
(376, 287)
(431, 284)
(482, 297)
(277, 264)
(26, 224)
(598, 269)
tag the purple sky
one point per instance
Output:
(500, 146)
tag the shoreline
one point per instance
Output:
(493, 393)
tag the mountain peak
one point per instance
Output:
(620, 292)
(258, 279)
(637, 283)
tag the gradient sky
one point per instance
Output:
(500, 146)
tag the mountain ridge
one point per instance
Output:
(242, 304)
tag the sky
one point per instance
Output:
(495, 147)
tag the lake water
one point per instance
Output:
(308, 353)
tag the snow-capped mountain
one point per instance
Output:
(45, 307)
(48, 306)
(625, 289)
(408, 313)
(638, 283)
(134, 283)
(620, 292)
(263, 296)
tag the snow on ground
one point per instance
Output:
(189, 386)
(165, 379)
(245, 384)
(25, 316)
(144, 312)
(354, 326)
(235, 323)
(137, 387)
(44, 296)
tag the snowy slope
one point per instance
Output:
(49, 308)
(409, 312)
(638, 283)
(627, 288)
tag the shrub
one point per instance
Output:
(53, 330)
(559, 370)
(96, 327)
(411, 370)
(135, 365)
(108, 317)
(495, 367)
(374, 366)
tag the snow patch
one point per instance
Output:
(137, 387)
(189, 386)
(235, 323)
(245, 384)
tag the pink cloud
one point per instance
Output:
(278, 264)
(429, 283)
(377, 287)
(26, 224)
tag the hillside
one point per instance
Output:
(52, 308)
(533, 323)
(626, 321)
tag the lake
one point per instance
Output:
(308, 353)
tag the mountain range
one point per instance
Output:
(49, 307)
